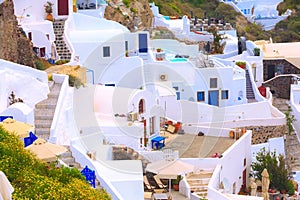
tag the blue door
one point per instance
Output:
(143, 43)
(213, 97)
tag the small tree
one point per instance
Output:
(12, 99)
(256, 51)
(217, 40)
(290, 119)
(278, 173)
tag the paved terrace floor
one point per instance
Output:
(193, 146)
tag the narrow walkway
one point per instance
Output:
(292, 145)
(44, 112)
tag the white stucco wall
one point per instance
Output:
(20, 112)
(27, 83)
(34, 11)
(236, 154)
(295, 105)
(195, 115)
(174, 47)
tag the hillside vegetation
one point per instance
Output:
(33, 179)
(285, 31)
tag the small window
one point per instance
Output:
(42, 52)
(48, 37)
(106, 51)
(213, 83)
(110, 84)
(126, 45)
(200, 96)
(224, 94)
(178, 95)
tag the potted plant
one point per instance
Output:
(176, 182)
(158, 50)
(256, 51)
(48, 10)
(241, 64)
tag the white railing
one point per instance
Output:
(295, 105)
(152, 156)
(59, 110)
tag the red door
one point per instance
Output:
(63, 7)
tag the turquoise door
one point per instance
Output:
(213, 97)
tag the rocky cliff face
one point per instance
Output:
(14, 46)
(136, 15)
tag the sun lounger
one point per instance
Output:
(147, 195)
(159, 183)
(147, 184)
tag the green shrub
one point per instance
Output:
(61, 62)
(175, 8)
(256, 51)
(126, 3)
(32, 179)
(278, 174)
(133, 10)
(74, 81)
(41, 63)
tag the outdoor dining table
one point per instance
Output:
(158, 142)
(160, 196)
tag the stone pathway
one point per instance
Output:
(292, 147)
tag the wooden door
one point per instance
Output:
(63, 7)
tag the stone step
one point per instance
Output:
(68, 160)
(44, 117)
(42, 123)
(42, 131)
(201, 194)
(66, 154)
(45, 106)
(75, 165)
(53, 95)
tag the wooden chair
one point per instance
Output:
(147, 184)
(159, 183)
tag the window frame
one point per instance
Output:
(106, 51)
(213, 82)
(226, 94)
(203, 95)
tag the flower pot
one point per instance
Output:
(176, 187)
(49, 17)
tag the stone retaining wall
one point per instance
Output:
(261, 134)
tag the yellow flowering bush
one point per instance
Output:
(33, 179)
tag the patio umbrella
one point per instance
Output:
(6, 189)
(20, 129)
(166, 169)
(46, 151)
(265, 182)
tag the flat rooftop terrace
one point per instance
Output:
(194, 146)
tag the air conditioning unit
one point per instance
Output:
(133, 116)
(163, 77)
